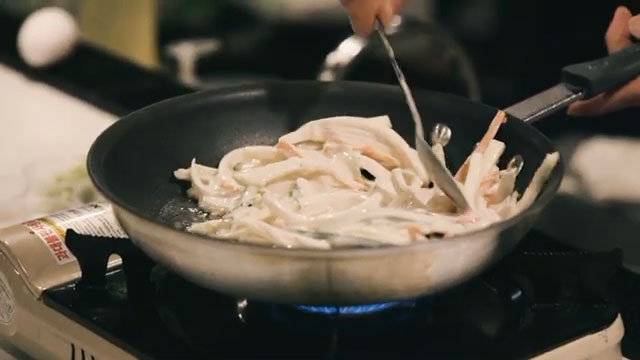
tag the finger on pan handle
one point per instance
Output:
(598, 76)
(580, 81)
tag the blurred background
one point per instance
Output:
(127, 54)
(513, 48)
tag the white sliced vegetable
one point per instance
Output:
(315, 180)
(539, 178)
(246, 154)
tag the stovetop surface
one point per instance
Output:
(541, 296)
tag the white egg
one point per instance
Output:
(47, 36)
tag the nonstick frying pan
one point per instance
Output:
(132, 164)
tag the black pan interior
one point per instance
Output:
(133, 161)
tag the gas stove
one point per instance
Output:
(72, 286)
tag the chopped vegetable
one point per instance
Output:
(355, 178)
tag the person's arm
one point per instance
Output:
(622, 28)
(363, 13)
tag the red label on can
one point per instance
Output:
(52, 238)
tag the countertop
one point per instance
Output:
(44, 137)
(51, 116)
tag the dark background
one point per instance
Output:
(517, 49)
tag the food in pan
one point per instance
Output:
(356, 179)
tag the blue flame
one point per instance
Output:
(351, 309)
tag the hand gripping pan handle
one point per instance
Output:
(581, 81)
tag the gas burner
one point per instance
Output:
(347, 320)
(354, 310)
(513, 305)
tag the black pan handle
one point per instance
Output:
(581, 81)
(601, 75)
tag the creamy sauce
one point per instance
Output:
(348, 176)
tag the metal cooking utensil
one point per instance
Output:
(440, 134)
(439, 173)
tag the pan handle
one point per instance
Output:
(601, 75)
(581, 81)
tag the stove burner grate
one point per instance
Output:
(540, 296)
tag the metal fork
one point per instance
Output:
(439, 173)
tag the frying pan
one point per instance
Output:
(132, 163)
